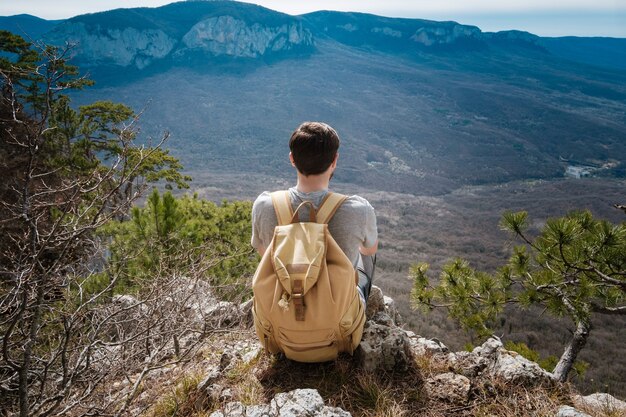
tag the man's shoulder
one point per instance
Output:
(356, 201)
(265, 196)
(262, 204)
(356, 205)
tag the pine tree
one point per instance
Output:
(575, 268)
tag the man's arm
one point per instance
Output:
(261, 249)
(369, 251)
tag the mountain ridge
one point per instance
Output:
(426, 33)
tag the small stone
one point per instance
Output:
(235, 409)
(226, 394)
(212, 375)
(567, 411)
(227, 361)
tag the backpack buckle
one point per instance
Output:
(298, 299)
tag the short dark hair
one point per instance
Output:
(313, 146)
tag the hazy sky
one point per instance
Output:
(546, 18)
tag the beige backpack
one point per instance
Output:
(306, 303)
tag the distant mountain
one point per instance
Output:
(27, 26)
(603, 52)
(424, 106)
(177, 32)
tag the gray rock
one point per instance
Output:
(235, 409)
(300, 402)
(392, 310)
(567, 411)
(384, 346)
(258, 410)
(519, 370)
(467, 363)
(600, 402)
(375, 302)
(245, 311)
(510, 366)
(449, 387)
(211, 377)
(296, 403)
(421, 346)
(491, 359)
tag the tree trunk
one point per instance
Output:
(579, 339)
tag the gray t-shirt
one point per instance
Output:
(353, 225)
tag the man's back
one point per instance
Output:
(352, 226)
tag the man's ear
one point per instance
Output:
(334, 164)
(291, 160)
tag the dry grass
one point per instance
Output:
(343, 384)
(364, 394)
(180, 401)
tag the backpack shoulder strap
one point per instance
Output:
(329, 206)
(282, 207)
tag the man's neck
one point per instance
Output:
(312, 183)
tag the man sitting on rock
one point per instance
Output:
(314, 147)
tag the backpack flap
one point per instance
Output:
(298, 253)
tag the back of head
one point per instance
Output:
(313, 146)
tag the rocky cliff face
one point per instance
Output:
(124, 47)
(225, 35)
(214, 36)
(441, 35)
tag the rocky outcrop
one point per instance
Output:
(493, 361)
(123, 47)
(384, 347)
(226, 35)
(296, 403)
(445, 34)
(387, 31)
